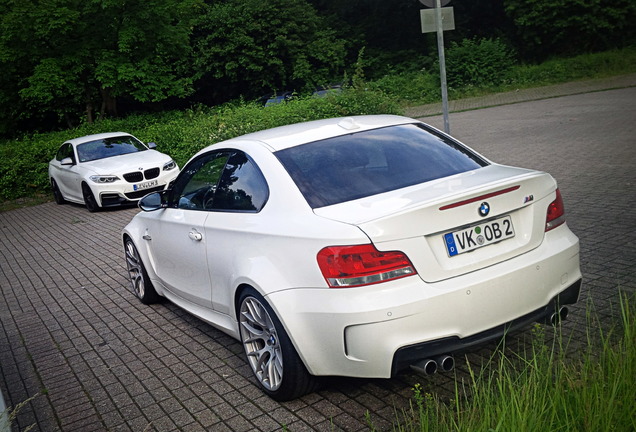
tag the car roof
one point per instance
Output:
(95, 137)
(283, 137)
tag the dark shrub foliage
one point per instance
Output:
(478, 62)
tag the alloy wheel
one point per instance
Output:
(261, 343)
(135, 270)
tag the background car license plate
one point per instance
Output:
(146, 185)
(478, 236)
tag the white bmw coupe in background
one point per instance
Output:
(354, 247)
(108, 169)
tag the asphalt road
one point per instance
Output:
(73, 335)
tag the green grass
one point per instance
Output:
(545, 389)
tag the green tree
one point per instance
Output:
(248, 46)
(77, 56)
(566, 27)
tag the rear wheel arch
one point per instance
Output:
(263, 344)
(57, 194)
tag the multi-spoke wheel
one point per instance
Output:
(89, 199)
(57, 195)
(269, 351)
(139, 280)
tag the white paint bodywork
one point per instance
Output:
(356, 331)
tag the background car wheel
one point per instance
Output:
(89, 199)
(274, 361)
(139, 280)
(57, 195)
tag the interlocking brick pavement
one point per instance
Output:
(72, 332)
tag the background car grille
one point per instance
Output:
(151, 173)
(137, 176)
(134, 177)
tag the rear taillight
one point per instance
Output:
(556, 213)
(352, 266)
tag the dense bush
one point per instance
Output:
(583, 66)
(423, 86)
(419, 86)
(478, 62)
(24, 162)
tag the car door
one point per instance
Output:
(234, 225)
(177, 239)
(67, 177)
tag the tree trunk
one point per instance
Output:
(89, 112)
(109, 103)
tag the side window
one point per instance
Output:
(66, 150)
(226, 180)
(242, 186)
(195, 187)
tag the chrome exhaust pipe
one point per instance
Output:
(445, 362)
(426, 366)
(559, 316)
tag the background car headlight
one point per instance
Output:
(169, 165)
(104, 178)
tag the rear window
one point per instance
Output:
(366, 163)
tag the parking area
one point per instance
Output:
(75, 339)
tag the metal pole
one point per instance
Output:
(442, 63)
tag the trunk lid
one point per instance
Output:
(419, 220)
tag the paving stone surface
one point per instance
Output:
(75, 339)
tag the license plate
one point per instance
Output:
(477, 236)
(147, 185)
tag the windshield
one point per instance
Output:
(362, 164)
(108, 147)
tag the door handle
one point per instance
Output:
(195, 235)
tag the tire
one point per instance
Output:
(57, 195)
(89, 199)
(275, 363)
(139, 280)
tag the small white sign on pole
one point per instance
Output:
(429, 21)
(437, 20)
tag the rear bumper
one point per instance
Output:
(374, 331)
(406, 356)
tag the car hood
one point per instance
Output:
(122, 164)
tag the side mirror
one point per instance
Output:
(66, 161)
(151, 202)
(152, 145)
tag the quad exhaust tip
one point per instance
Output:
(444, 363)
(558, 316)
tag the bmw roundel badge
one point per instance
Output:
(484, 209)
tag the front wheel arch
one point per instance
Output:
(90, 201)
(138, 278)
